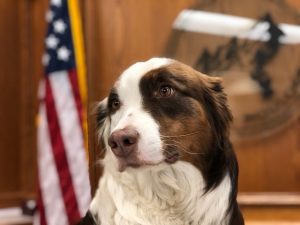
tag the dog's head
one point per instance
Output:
(162, 111)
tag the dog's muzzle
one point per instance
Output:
(124, 144)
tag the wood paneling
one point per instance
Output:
(21, 43)
(295, 4)
(271, 164)
(32, 45)
(9, 98)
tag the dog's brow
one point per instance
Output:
(113, 91)
(165, 74)
(112, 95)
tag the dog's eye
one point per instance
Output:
(115, 104)
(166, 91)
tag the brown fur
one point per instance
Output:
(185, 129)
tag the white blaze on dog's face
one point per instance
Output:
(162, 111)
(130, 114)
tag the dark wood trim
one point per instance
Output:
(14, 198)
(29, 37)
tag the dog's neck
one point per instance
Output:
(160, 195)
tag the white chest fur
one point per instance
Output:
(162, 195)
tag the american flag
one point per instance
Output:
(64, 189)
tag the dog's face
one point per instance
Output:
(162, 111)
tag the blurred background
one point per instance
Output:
(260, 68)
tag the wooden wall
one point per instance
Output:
(21, 44)
(9, 108)
(118, 33)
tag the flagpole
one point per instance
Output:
(78, 42)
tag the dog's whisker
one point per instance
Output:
(181, 148)
(172, 141)
(181, 135)
(102, 151)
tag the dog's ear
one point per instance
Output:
(101, 113)
(102, 120)
(215, 102)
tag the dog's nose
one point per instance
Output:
(124, 141)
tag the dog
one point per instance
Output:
(168, 158)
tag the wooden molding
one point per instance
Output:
(269, 199)
(15, 198)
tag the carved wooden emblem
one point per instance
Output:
(257, 54)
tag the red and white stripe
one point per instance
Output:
(63, 171)
(50, 188)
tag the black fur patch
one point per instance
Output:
(89, 219)
(219, 116)
(173, 106)
(113, 96)
(101, 113)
